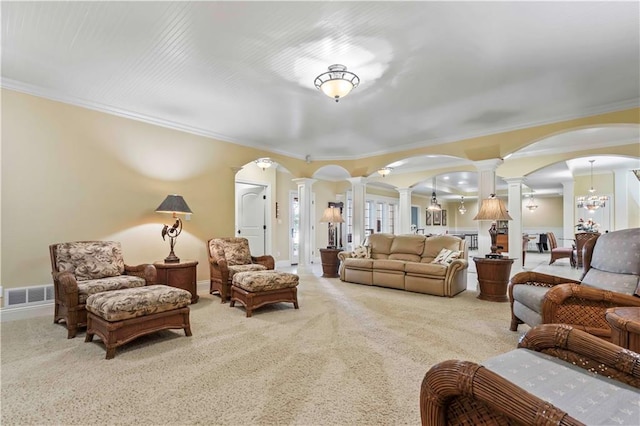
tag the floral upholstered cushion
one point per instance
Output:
(264, 280)
(244, 268)
(119, 305)
(89, 260)
(446, 256)
(237, 252)
(88, 287)
(361, 252)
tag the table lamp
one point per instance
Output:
(175, 205)
(332, 215)
(493, 209)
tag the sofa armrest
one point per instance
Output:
(146, 271)
(267, 260)
(571, 303)
(344, 255)
(585, 351)
(463, 392)
(67, 288)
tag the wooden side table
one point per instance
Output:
(625, 327)
(180, 275)
(330, 262)
(493, 278)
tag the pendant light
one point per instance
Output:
(461, 208)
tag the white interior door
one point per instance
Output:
(250, 216)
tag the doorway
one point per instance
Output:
(251, 215)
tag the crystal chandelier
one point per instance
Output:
(531, 205)
(337, 82)
(592, 202)
(461, 208)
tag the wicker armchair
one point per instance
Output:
(228, 256)
(465, 393)
(82, 268)
(580, 239)
(611, 278)
(559, 252)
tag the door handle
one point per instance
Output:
(238, 232)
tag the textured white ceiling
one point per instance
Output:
(243, 72)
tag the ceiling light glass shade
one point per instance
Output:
(434, 205)
(264, 163)
(337, 82)
(384, 171)
(592, 202)
(531, 205)
(461, 208)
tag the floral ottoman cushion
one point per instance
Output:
(256, 281)
(119, 305)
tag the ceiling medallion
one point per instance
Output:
(337, 82)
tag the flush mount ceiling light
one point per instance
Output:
(337, 82)
(384, 171)
(592, 202)
(264, 163)
(461, 208)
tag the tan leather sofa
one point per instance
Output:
(404, 262)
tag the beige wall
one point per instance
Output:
(547, 215)
(70, 173)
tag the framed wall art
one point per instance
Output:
(444, 218)
(437, 217)
(428, 223)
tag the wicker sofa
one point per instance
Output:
(611, 278)
(558, 376)
(407, 262)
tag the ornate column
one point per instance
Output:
(404, 211)
(305, 199)
(358, 192)
(486, 187)
(515, 226)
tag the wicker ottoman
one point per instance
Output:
(120, 316)
(258, 288)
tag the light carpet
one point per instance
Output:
(351, 355)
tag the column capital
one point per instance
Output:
(304, 181)
(517, 179)
(358, 180)
(488, 165)
(404, 190)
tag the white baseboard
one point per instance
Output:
(25, 312)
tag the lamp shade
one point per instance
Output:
(332, 215)
(492, 209)
(174, 204)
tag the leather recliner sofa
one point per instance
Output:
(405, 262)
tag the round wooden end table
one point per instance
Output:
(625, 327)
(493, 278)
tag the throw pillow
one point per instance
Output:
(441, 256)
(361, 252)
(452, 256)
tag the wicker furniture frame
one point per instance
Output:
(67, 306)
(220, 281)
(254, 300)
(117, 333)
(461, 392)
(559, 252)
(580, 239)
(568, 302)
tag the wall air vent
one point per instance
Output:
(29, 295)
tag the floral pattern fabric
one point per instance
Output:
(88, 287)
(234, 250)
(361, 252)
(119, 305)
(90, 260)
(264, 280)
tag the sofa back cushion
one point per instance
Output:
(234, 250)
(381, 245)
(615, 262)
(90, 260)
(434, 244)
(407, 247)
